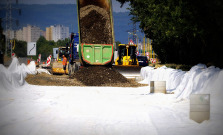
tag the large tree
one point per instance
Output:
(182, 31)
(2, 37)
(20, 48)
(45, 48)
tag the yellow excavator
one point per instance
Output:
(127, 55)
(57, 66)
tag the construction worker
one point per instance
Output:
(64, 64)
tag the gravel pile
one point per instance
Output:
(100, 76)
(87, 76)
(95, 25)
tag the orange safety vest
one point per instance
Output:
(64, 61)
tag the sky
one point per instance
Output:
(116, 5)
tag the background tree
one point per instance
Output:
(20, 48)
(116, 44)
(45, 48)
(63, 42)
(2, 37)
(183, 31)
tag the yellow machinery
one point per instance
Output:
(127, 55)
(57, 66)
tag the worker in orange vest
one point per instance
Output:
(64, 64)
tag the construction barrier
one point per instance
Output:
(48, 61)
(200, 107)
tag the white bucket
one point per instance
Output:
(200, 107)
(158, 87)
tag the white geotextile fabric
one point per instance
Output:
(108, 110)
(40, 70)
(171, 76)
(13, 77)
(199, 79)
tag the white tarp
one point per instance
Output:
(44, 110)
(197, 80)
(14, 76)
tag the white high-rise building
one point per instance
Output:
(64, 33)
(57, 32)
(31, 33)
(19, 34)
(10, 34)
(49, 32)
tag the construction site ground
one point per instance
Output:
(89, 76)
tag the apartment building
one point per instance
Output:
(57, 32)
(49, 31)
(31, 33)
(10, 34)
(19, 34)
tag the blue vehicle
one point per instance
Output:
(143, 61)
(74, 62)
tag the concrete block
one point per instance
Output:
(199, 116)
(158, 87)
(200, 99)
(200, 107)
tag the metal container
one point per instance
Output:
(158, 87)
(200, 107)
(96, 32)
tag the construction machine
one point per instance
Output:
(127, 55)
(94, 43)
(74, 61)
(57, 66)
(96, 32)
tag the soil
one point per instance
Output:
(52, 80)
(95, 25)
(99, 76)
(87, 76)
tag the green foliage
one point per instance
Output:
(182, 31)
(116, 44)
(2, 37)
(45, 48)
(62, 42)
(20, 48)
(179, 66)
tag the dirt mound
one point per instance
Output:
(52, 80)
(87, 76)
(95, 25)
(100, 76)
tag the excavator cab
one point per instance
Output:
(127, 55)
(57, 67)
